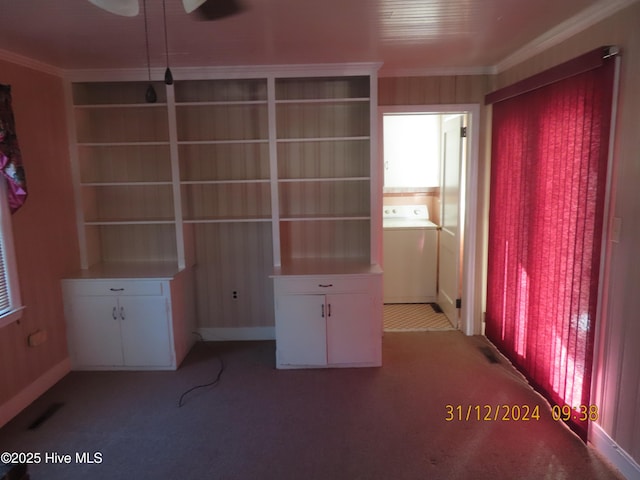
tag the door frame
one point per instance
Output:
(471, 262)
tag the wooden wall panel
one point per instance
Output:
(311, 199)
(234, 257)
(226, 201)
(137, 243)
(217, 162)
(340, 119)
(618, 369)
(44, 229)
(148, 163)
(432, 90)
(126, 124)
(325, 239)
(346, 158)
(221, 122)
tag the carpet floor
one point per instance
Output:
(414, 317)
(405, 420)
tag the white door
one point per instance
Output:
(301, 330)
(95, 329)
(449, 289)
(146, 340)
(351, 334)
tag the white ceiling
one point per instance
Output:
(406, 35)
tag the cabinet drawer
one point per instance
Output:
(323, 284)
(113, 287)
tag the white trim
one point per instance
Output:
(75, 174)
(602, 351)
(620, 459)
(222, 334)
(7, 250)
(435, 71)
(30, 63)
(225, 72)
(35, 389)
(468, 323)
(376, 176)
(563, 31)
(273, 171)
(11, 316)
(176, 184)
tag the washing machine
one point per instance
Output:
(410, 254)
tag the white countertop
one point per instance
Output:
(398, 223)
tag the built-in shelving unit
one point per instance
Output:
(223, 150)
(323, 150)
(124, 168)
(241, 177)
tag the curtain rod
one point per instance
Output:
(588, 61)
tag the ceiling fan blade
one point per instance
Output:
(125, 8)
(191, 5)
(213, 9)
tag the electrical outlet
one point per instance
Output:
(37, 338)
(234, 294)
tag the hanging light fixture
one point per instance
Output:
(150, 95)
(168, 77)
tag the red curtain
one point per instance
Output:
(548, 178)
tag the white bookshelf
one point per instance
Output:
(238, 173)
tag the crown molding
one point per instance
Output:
(30, 63)
(563, 31)
(237, 71)
(435, 71)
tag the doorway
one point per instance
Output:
(439, 175)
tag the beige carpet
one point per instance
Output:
(414, 317)
(402, 421)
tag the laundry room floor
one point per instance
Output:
(414, 317)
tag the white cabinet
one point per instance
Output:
(125, 323)
(328, 320)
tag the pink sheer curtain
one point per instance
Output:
(10, 157)
(548, 177)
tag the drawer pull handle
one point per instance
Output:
(328, 310)
(325, 285)
(114, 314)
(322, 314)
(117, 289)
(122, 313)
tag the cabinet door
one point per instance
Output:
(351, 329)
(146, 340)
(95, 331)
(301, 331)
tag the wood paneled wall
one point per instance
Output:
(618, 367)
(445, 89)
(44, 229)
(234, 257)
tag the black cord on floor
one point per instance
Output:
(217, 379)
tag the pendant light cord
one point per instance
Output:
(166, 41)
(146, 37)
(168, 76)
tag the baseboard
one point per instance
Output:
(609, 449)
(25, 397)
(239, 333)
